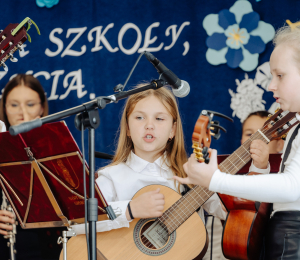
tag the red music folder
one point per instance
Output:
(41, 173)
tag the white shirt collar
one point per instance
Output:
(298, 116)
(138, 164)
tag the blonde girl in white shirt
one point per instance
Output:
(150, 151)
(283, 189)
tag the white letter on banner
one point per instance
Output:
(149, 41)
(68, 50)
(42, 73)
(22, 52)
(138, 40)
(100, 37)
(57, 41)
(77, 78)
(56, 75)
(174, 34)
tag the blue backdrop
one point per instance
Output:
(88, 47)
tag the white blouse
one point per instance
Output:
(119, 183)
(283, 189)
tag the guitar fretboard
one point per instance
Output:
(197, 196)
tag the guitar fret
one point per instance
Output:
(246, 150)
(241, 159)
(186, 206)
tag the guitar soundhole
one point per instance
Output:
(152, 238)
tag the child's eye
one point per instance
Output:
(159, 119)
(279, 76)
(139, 117)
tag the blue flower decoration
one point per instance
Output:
(236, 36)
(47, 3)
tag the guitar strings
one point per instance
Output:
(232, 164)
(238, 159)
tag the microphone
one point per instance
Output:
(180, 88)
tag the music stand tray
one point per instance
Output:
(41, 174)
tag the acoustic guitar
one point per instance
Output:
(246, 222)
(12, 39)
(179, 233)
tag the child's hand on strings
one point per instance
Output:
(199, 173)
(260, 154)
(6, 217)
(148, 205)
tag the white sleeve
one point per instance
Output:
(106, 186)
(213, 207)
(274, 188)
(253, 168)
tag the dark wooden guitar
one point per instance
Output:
(12, 39)
(244, 228)
(246, 221)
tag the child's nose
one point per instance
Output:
(26, 115)
(149, 124)
(272, 85)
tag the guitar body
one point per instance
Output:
(188, 241)
(244, 228)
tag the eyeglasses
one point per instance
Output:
(31, 108)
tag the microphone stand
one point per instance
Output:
(90, 118)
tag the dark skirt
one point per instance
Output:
(282, 239)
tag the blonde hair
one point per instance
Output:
(289, 35)
(175, 151)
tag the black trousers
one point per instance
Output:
(282, 241)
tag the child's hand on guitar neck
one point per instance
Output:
(259, 154)
(148, 205)
(199, 173)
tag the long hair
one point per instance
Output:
(28, 81)
(175, 151)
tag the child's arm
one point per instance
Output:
(279, 188)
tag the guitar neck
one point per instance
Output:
(241, 156)
(180, 211)
(197, 196)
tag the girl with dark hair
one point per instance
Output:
(23, 100)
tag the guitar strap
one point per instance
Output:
(288, 148)
(287, 152)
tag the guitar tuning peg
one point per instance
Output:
(4, 66)
(20, 47)
(12, 58)
(197, 153)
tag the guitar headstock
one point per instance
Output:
(203, 130)
(9, 43)
(279, 124)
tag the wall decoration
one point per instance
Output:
(236, 36)
(249, 93)
(47, 3)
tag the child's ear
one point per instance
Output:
(128, 131)
(173, 131)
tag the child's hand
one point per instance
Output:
(6, 217)
(199, 173)
(260, 154)
(148, 205)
